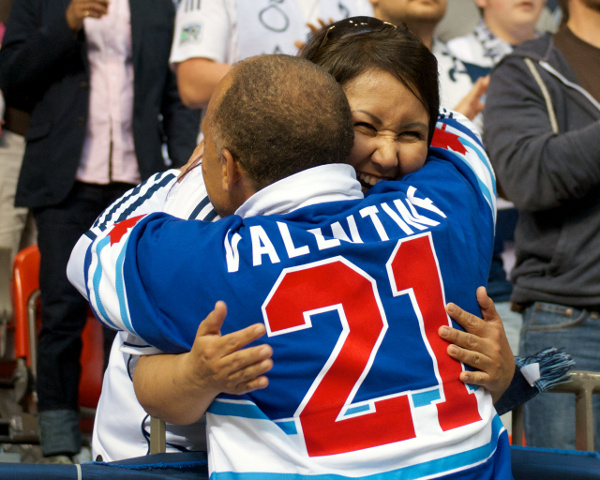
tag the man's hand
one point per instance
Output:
(221, 364)
(179, 388)
(79, 9)
(483, 346)
(471, 105)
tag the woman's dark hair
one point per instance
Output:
(350, 47)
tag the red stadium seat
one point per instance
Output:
(26, 268)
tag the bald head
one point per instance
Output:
(278, 115)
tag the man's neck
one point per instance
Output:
(584, 22)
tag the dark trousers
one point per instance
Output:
(64, 310)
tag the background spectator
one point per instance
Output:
(95, 77)
(503, 25)
(17, 229)
(542, 123)
(211, 35)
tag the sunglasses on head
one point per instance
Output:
(354, 26)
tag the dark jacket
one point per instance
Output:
(553, 178)
(44, 69)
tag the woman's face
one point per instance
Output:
(391, 127)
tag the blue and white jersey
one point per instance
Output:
(122, 426)
(352, 292)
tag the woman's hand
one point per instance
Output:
(483, 346)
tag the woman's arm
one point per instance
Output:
(483, 346)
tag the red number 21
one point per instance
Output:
(339, 285)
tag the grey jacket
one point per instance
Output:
(553, 178)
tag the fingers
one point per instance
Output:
(467, 320)
(314, 28)
(226, 345)
(213, 322)
(473, 358)
(474, 378)
(460, 338)
(78, 10)
(483, 346)
(244, 370)
(487, 305)
(471, 105)
(480, 87)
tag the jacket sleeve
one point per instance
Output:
(537, 168)
(181, 124)
(38, 48)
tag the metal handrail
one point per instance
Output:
(583, 384)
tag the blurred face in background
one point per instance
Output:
(512, 20)
(410, 11)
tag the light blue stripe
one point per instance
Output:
(288, 427)
(120, 288)
(237, 410)
(420, 399)
(423, 399)
(357, 409)
(413, 472)
(246, 410)
(96, 283)
(482, 156)
(482, 186)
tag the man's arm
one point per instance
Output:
(197, 79)
(179, 388)
(201, 48)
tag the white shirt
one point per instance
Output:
(213, 28)
(108, 151)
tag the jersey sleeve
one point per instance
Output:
(203, 29)
(456, 139)
(147, 275)
(149, 196)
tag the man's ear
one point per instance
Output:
(230, 170)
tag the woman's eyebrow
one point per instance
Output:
(416, 125)
(377, 120)
(374, 118)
